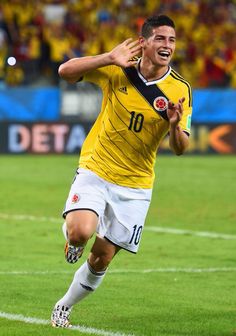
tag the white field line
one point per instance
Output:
(213, 235)
(29, 218)
(138, 271)
(82, 329)
(206, 234)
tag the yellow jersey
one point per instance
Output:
(122, 145)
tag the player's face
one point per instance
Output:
(160, 46)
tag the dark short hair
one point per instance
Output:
(155, 21)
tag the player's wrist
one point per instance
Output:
(102, 60)
(109, 58)
(175, 127)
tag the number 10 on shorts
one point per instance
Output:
(137, 230)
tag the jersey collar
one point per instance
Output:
(153, 81)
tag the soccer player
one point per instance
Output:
(144, 99)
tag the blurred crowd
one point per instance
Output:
(37, 36)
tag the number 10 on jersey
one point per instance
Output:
(136, 121)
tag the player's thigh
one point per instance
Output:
(101, 254)
(126, 216)
(85, 203)
(87, 192)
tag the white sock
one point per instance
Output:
(85, 281)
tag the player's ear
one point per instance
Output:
(142, 41)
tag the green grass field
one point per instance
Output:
(181, 283)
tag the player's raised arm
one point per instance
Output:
(178, 139)
(121, 55)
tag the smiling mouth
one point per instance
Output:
(164, 54)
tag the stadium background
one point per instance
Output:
(183, 280)
(39, 113)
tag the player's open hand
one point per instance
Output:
(123, 53)
(175, 112)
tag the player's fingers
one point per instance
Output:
(134, 44)
(181, 100)
(128, 41)
(170, 104)
(180, 110)
(131, 63)
(180, 107)
(179, 115)
(136, 50)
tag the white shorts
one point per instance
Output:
(121, 210)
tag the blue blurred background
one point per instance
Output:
(39, 113)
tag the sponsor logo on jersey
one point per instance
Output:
(75, 198)
(123, 89)
(160, 103)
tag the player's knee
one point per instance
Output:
(78, 233)
(80, 226)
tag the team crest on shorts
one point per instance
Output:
(75, 198)
(160, 103)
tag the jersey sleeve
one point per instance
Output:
(185, 122)
(100, 76)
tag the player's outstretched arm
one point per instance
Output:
(121, 55)
(178, 139)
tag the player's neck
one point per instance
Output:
(151, 71)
